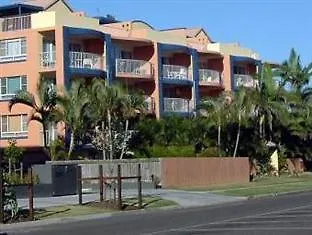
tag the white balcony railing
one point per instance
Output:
(85, 60)
(177, 105)
(11, 58)
(15, 23)
(176, 72)
(150, 103)
(244, 80)
(48, 59)
(14, 134)
(134, 68)
(210, 76)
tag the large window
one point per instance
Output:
(12, 50)
(13, 126)
(11, 85)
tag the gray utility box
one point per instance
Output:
(61, 179)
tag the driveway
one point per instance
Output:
(183, 198)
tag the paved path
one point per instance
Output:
(285, 214)
(183, 198)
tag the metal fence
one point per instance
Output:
(135, 68)
(176, 72)
(244, 80)
(177, 105)
(210, 76)
(15, 23)
(85, 60)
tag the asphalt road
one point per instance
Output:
(285, 214)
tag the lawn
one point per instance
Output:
(149, 202)
(267, 185)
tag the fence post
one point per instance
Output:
(139, 186)
(119, 187)
(31, 194)
(1, 192)
(101, 182)
(79, 184)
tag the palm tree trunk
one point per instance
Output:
(103, 147)
(45, 142)
(238, 135)
(219, 137)
(109, 118)
(71, 144)
(124, 141)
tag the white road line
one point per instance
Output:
(267, 222)
(283, 216)
(232, 219)
(243, 229)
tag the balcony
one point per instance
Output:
(245, 81)
(85, 60)
(176, 72)
(48, 60)
(177, 105)
(15, 23)
(209, 77)
(133, 68)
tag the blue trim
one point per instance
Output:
(66, 59)
(233, 87)
(88, 72)
(82, 31)
(19, 6)
(195, 63)
(110, 59)
(244, 59)
(173, 47)
(177, 81)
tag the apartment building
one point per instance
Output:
(173, 68)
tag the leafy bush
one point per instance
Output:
(58, 150)
(170, 151)
(16, 179)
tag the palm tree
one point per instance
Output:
(268, 100)
(71, 108)
(294, 72)
(241, 110)
(41, 106)
(217, 109)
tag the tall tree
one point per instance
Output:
(216, 108)
(71, 109)
(42, 105)
(293, 72)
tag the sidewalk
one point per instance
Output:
(183, 198)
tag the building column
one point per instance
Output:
(109, 59)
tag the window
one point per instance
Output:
(126, 55)
(13, 126)
(13, 50)
(11, 85)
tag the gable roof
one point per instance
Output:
(45, 4)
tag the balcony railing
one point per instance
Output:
(14, 134)
(134, 68)
(177, 105)
(85, 60)
(15, 23)
(176, 72)
(150, 103)
(47, 59)
(245, 80)
(210, 77)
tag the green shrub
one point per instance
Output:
(170, 151)
(209, 152)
